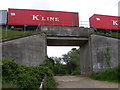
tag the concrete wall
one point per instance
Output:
(85, 58)
(104, 52)
(66, 31)
(30, 50)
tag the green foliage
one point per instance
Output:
(76, 72)
(112, 34)
(71, 66)
(23, 76)
(50, 83)
(13, 33)
(49, 63)
(72, 59)
(8, 84)
(8, 69)
(60, 69)
(111, 75)
(73, 55)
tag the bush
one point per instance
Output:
(23, 76)
(76, 72)
(60, 69)
(8, 85)
(9, 70)
(50, 83)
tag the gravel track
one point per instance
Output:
(82, 82)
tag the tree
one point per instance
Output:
(49, 62)
(72, 59)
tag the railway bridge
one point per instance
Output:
(32, 49)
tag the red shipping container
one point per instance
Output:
(104, 22)
(42, 17)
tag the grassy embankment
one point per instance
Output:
(113, 34)
(13, 33)
(111, 75)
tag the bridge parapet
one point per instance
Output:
(66, 31)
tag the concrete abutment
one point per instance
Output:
(85, 58)
(30, 50)
(104, 52)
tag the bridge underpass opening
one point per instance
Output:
(63, 42)
(64, 63)
(58, 51)
(69, 42)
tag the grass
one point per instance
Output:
(113, 34)
(111, 75)
(116, 35)
(12, 33)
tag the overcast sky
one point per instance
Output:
(86, 9)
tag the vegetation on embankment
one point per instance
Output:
(20, 76)
(115, 35)
(111, 75)
(112, 34)
(14, 33)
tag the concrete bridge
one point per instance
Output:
(32, 49)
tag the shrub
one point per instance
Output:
(23, 76)
(76, 72)
(50, 83)
(8, 85)
(9, 70)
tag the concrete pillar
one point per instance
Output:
(85, 59)
(30, 50)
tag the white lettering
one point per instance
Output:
(56, 19)
(38, 17)
(51, 18)
(47, 18)
(43, 19)
(35, 17)
(115, 22)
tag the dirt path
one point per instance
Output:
(82, 82)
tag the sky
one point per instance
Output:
(85, 8)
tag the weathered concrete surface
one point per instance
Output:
(78, 82)
(104, 52)
(60, 31)
(66, 41)
(0, 58)
(30, 50)
(0, 42)
(85, 58)
(0, 50)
